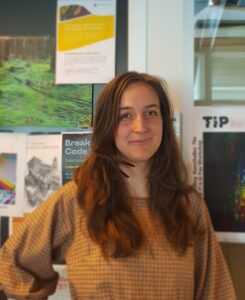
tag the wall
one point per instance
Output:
(155, 35)
(161, 43)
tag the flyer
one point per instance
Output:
(85, 51)
(43, 168)
(218, 167)
(75, 148)
(62, 290)
(12, 158)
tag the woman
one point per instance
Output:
(129, 226)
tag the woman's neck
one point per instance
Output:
(137, 181)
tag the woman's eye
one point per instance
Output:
(151, 113)
(125, 116)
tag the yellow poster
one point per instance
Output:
(85, 46)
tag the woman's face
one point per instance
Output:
(139, 132)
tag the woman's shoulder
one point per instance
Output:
(195, 198)
(196, 203)
(198, 208)
(68, 191)
(63, 198)
(60, 204)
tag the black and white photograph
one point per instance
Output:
(42, 176)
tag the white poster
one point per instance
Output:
(85, 41)
(218, 167)
(62, 290)
(12, 165)
(43, 168)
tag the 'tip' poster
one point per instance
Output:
(218, 167)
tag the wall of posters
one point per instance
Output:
(85, 41)
(218, 167)
(30, 101)
(33, 166)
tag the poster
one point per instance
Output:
(12, 164)
(43, 168)
(27, 83)
(218, 167)
(85, 47)
(75, 148)
(62, 290)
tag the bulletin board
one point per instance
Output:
(30, 102)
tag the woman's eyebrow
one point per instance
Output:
(126, 107)
(152, 105)
(147, 106)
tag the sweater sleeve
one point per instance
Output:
(26, 257)
(212, 278)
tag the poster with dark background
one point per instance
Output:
(224, 179)
(75, 149)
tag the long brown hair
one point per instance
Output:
(102, 193)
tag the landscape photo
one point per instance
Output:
(28, 94)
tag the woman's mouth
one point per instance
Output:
(140, 141)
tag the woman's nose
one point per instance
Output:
(140, 123)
